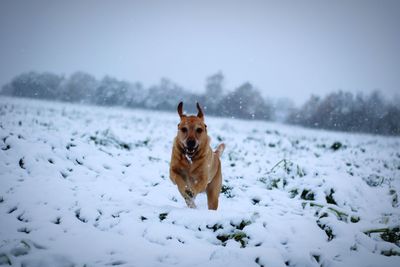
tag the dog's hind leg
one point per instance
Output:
(213, 190)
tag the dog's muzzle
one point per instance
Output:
(191, 147)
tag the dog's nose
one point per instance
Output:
(191, 143)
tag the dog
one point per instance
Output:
(194, 167)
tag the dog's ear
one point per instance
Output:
(180, 110)
(200, 114)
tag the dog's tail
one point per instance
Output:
(220, 149)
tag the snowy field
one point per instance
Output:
(89, 186)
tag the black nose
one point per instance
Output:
(190, 143)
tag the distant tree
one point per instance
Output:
(245, 102)
(306, 115)
(79, 87)
(7, 89)
(111, 92)
(391, 120)
(282, 109)
(375, 111)
(167, 95)
(136, 95)
(36, 85)
(214, 92)
(358, 121)
(345, 102)
(333, 110)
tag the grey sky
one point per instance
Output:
(285, 48)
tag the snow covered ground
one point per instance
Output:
(89, 186)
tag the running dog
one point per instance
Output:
(194, 167)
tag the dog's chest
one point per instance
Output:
(198, 173)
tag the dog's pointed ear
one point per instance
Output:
(180, 110)
(200, 114)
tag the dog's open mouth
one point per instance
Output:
(190, 151)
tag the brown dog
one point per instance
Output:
(194, 166)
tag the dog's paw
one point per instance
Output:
(190, 200)
(191, 205)
(189, 193)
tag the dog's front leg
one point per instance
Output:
(187, 193)
(189, 196)
(181, 179)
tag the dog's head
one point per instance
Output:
(192, 131)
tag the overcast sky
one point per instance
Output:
(285, 48)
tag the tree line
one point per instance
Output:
(345, 111)
(337, 111)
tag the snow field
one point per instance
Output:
(89, 186)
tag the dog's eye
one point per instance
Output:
(199, 130)
(184, 129)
